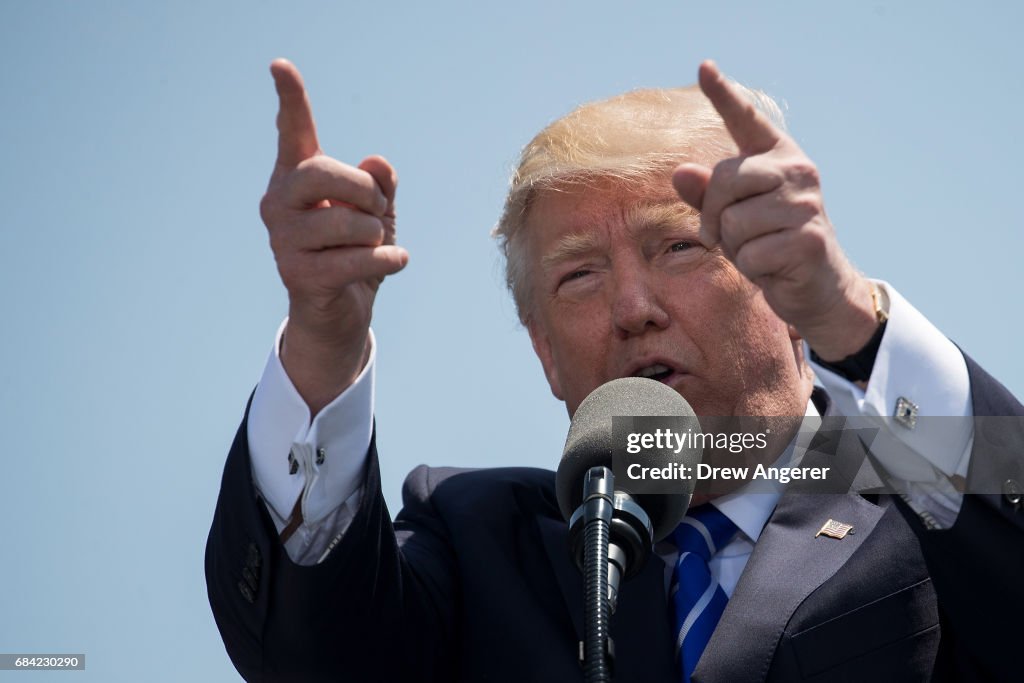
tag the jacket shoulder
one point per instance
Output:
(469, 491)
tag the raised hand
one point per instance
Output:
(332, 230)
(764, 208)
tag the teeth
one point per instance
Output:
(652, 370)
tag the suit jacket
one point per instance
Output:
(473, 582)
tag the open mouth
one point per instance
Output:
(657, 372)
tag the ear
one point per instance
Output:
(803, 367)
(797, 343)
(542, 347)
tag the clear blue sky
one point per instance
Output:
(140, 296)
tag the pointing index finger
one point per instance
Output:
(749, 128)
(296, 132)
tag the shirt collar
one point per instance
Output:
(750, 506)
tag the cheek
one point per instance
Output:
(578, 350)
(738, 327)
(741, 303)
(578, 324)
(720, 302)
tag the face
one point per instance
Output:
(623, 287)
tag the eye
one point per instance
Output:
(681, 246)
(574, 275)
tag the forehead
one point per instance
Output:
(584, 212)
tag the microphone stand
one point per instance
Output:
(610, 536)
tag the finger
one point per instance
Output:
(344, 266)
(296, 132)
(739, 178)
(690, 182)
(387, 180)
(767, 256)
(384, 174)
(749, 128)
(322, 177)
(335, 226)
(734, 180)
(766, 213)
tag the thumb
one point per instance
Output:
(384, 174)
(690, 182)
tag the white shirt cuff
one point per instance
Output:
(330, 451)
(916, 363)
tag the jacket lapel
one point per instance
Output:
(788, 563)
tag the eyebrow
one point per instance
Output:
(570, 246)
(663, 216)
(646, 217)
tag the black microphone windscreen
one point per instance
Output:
(590, 444)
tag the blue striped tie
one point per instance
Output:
(697, 599)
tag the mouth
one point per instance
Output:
(657, 371)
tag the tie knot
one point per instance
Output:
(703, 532)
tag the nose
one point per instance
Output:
(636, 307)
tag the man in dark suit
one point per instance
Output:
(643, 237)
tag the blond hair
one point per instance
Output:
(628, 139)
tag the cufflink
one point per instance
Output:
(1012, 492)
(321, 454)
(906, 413)
(293, 464)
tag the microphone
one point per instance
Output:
(612, 526)
(590, 444)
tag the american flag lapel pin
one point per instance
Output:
(834, 529)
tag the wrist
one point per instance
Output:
(322, 367)
(858, 365)
(850, 327)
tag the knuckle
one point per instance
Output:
(814, 243)
(727, 220)
(807, 204)
(725, 170)
(268, 208)
(803, 172)
(729, 224)
(777, 174)
(317, 163)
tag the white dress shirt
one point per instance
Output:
(915, 362)
(749, 508)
